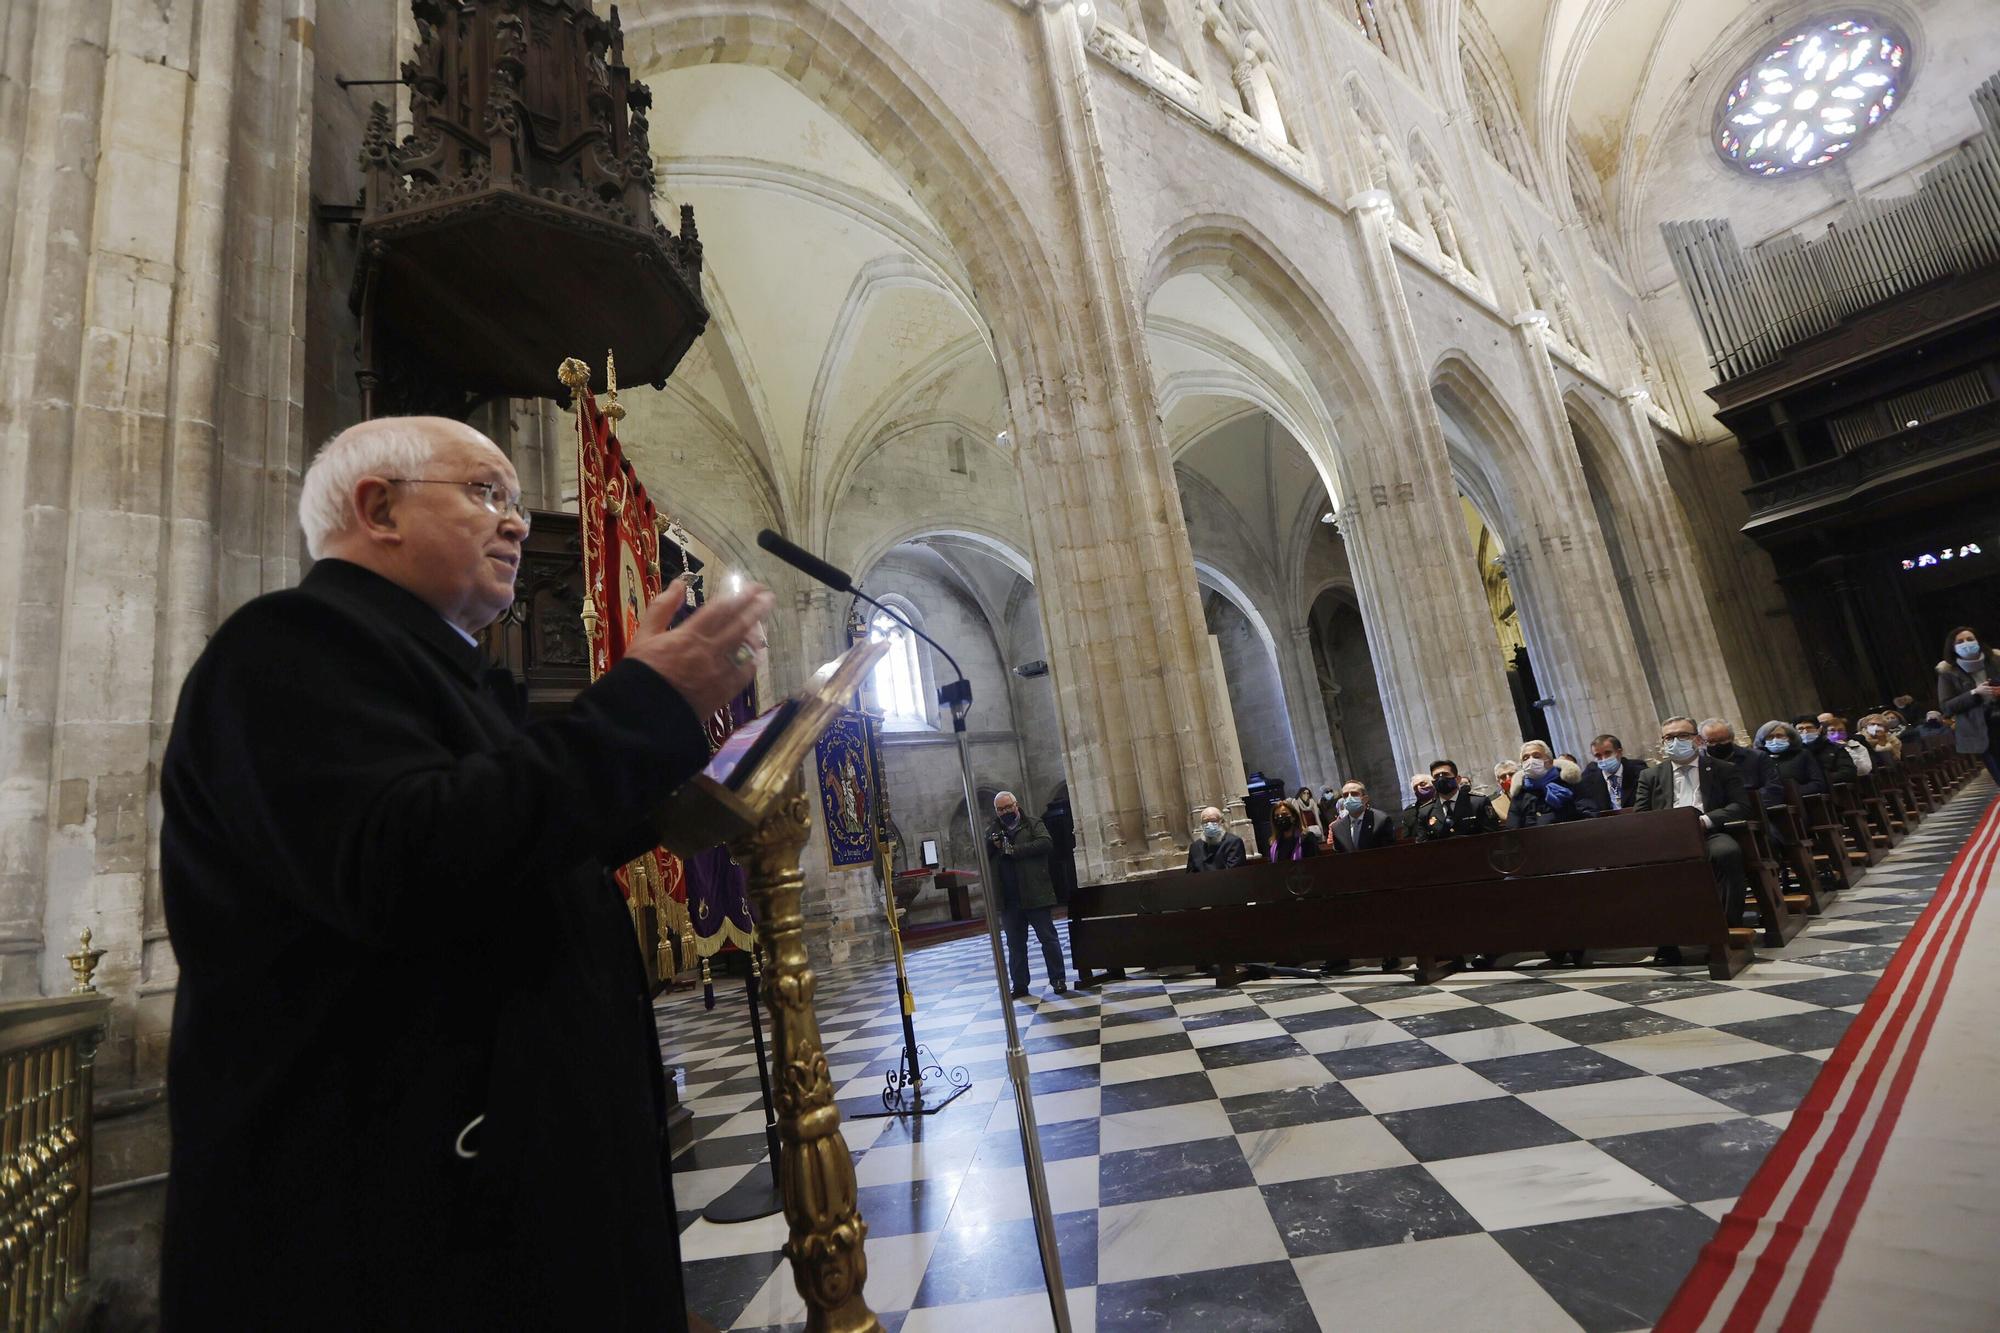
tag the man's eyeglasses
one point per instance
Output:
(492, 496)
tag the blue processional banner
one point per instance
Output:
(843, 790)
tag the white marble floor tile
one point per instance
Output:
(1230, 1033)
(1187, 1234)
(1213, 1005)
(1716, 1208)
(1050, 1108)
(1782, 1119)
(1413, 1088)
(1729, 1006)
(713, 1240)
(1558, 1183)
(1350, 1036)
(978, 1049)
(1466, 1282)
(1150, 1066)
(1061, 1027)
(935, 1159)
(1626, 1106)
(1326, 1148)
(1298, 1071)
(728, 1103)
(1162, 1124)
(1014, 1314)
(1690, 1048)
(698, 1189)
(1536, 1008)
(895, 1271)
(1068, 1058)
(1494, 1043)
(1000, 1193)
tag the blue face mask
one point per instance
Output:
(1777, 745)
(1967, 651)
(1680, 749)
(1610, 763)
(1352, 805)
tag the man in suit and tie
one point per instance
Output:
(1359, 826)
(1610, 779)
(416, 1116)
(1454, 808)
(1688, 778)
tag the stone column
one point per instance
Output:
(1112, 557)
(1442, 690)
(1307, 707)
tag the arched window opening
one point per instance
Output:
(896, 685)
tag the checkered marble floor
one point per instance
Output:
(1520, 1150)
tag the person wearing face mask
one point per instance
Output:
(1688, 778)
(1790, 759)
(1452, 809)
(1020, 847)
(1360, 827)
(1421, 793)
(1290, 840)
(1610, 780)
(1329, 805)
(1216, 848)
(1879, 732)
(1969, 695)
(1834, 730)
(1544, 793)
(1834, 760)
(1307, 808)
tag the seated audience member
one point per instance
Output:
(1611, 781)
(1360, 827)
(1718, 740)
(1790, 761)
(1834, 728)
(1879, 732)
(1833, 759)
(1329, 804)
(1217, 848)
(1906, 710)
(1421, 793)
(1934, 724)
(1541, 795)
(1290, 841)
(1307, 807)
(1687, 777)
(1453, 808)
(1504, 774)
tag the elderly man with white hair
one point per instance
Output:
(414, 1081)
(1019, 846)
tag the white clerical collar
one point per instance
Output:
(470, 640)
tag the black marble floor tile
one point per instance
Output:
(739, 1083)
(1376, 994)
(1124, 1017)
(1363, 1209)
(1900, 915)
(718, 1289)
(1697, 1162)
(1389, 1058)
(1150, 1092)
(1222, 1018)
(1053, 1080)
(1200, 1166)
(1613, 1025)
(1829, 991)
(1255, 1298)
(1499, 992)
(1565, 1067)
(1754, 1087)
(1796, 1032)
(957, 1120)
(1616, 1272)
(1291, 1106)
(1160, 1045)
(1874, 933)
(701, 1127)
(905, 1207)
(736, 1150)
(1061, 1041)
(1064, 1139)
(1327, 1018)
(1233, 1053)
(1463, 1129)
(1655, 991)
(982, 1260)
(1455, 1020)
(1865, 959)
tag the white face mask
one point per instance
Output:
(1875, 730)
(1534, 768)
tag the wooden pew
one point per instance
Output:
(1638, 881)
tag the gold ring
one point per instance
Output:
(744, 654)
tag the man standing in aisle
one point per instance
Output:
(1019, 848)
(414, 1081)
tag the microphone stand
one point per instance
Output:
(957, 699)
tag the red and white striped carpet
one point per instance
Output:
(1880, 1205)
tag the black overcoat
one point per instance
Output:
(390, 906)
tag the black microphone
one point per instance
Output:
(805, 561)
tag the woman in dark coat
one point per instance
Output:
(1290, 842)
(1790, 759)
(1969, 694)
